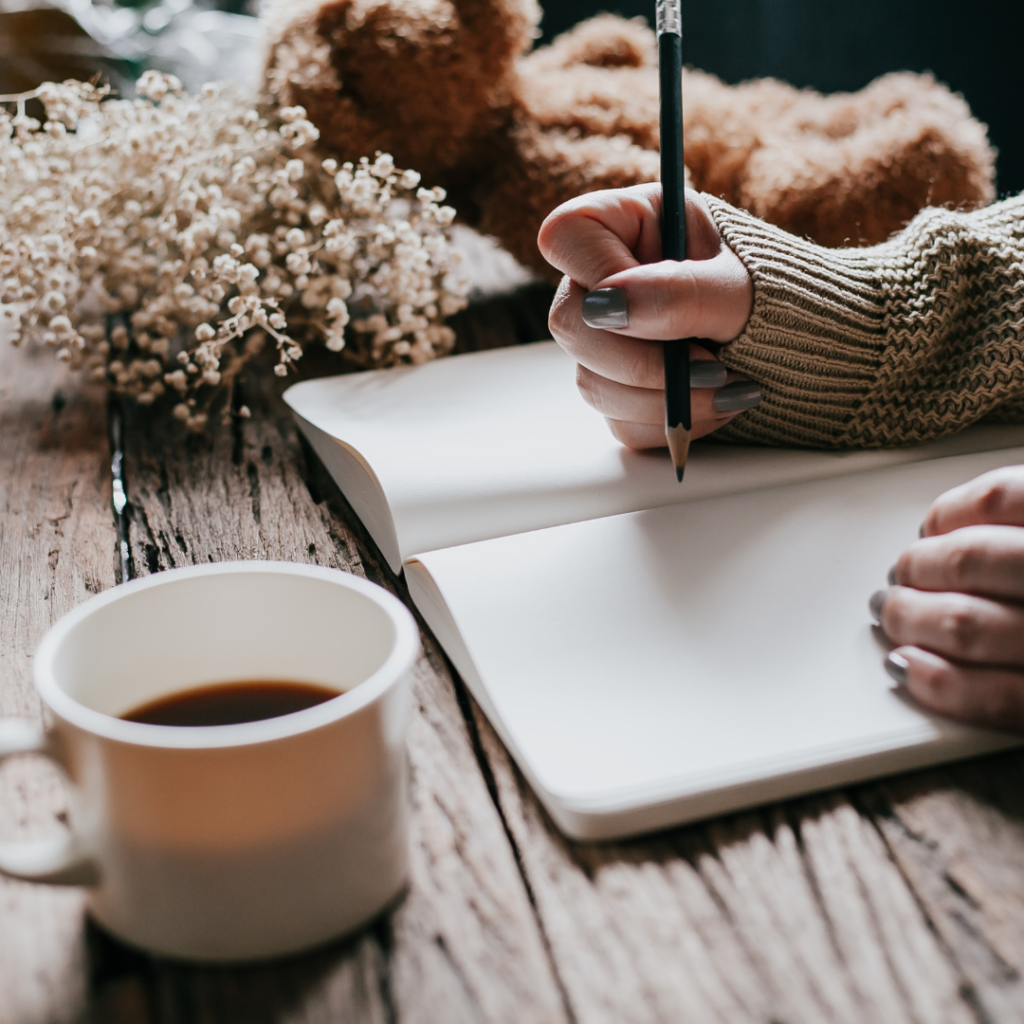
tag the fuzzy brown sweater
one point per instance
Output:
(873, 347)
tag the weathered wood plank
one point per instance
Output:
(464, 945)
(56, 548)
(957, 834)
(795, 914)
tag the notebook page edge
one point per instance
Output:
(430, 602)
(359, 484)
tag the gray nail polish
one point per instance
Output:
(920, 531)
(605, 309)
(892, 576)
(707, 373)
(875, 604)
(737, 396)
(897, 666)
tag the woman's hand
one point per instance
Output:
(956, 608)
(618, 302)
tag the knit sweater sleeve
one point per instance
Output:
(900, 342)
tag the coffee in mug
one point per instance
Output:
(249, 700)
(273, 833)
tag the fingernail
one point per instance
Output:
(920, 531)
(707, 373)
(897, 666)
(605, 309)
(892, 576)
(737, 396)
(875, 604)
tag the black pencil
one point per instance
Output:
(678, 424)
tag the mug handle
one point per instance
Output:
(61, 860)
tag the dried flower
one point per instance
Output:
(158, 242)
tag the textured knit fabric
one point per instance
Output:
(900, 342)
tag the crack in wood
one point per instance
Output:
(253, 475)
(774, 825)
(154, 543)
(1007, 971)
(866, 805)
(465, 706)
(237, 434)
(879, 928)
(383, 935)
(960, 891)
(163, 489)
(456, 968)
(969, 994)
(813, 882)
(877, 808)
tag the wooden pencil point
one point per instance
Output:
(678, 438)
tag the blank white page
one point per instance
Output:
(656, 667)
(493, 443)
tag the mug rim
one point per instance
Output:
(399, 661)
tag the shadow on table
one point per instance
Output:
(348, 979)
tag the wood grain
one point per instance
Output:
(798, 913)
(957, 834)
(56, 548)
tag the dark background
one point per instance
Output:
(976, 48)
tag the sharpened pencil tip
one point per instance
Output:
(678, 439)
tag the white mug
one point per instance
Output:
(228, 842)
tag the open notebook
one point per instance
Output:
(649, 652)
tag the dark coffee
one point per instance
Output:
(231, 703)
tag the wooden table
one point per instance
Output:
(902, 900)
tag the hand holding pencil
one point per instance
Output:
(619, 301)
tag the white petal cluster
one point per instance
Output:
(159, 242)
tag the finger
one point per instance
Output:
(636, 362)
(603, 232)
(647, 405)
(693, 299)
(996, 497)
(958, 626)
(598, 234)
(637, 435)
(992, 697)
(621, 402)
(594, 385)
(983, 560)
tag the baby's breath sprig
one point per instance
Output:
(203, 228)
